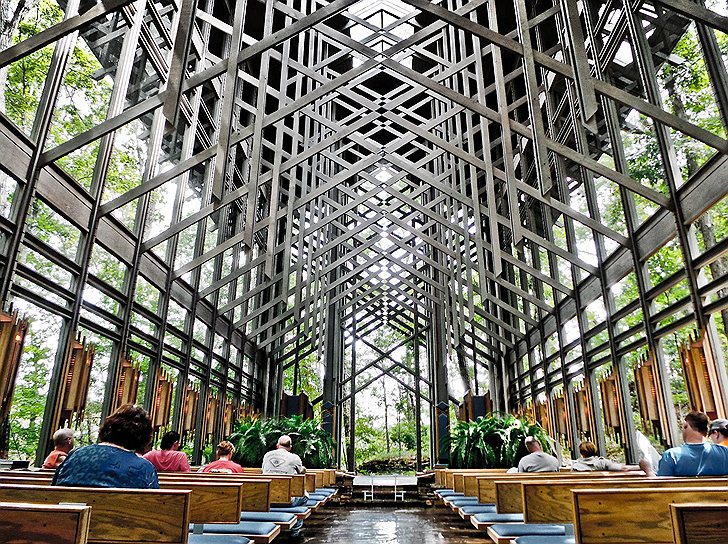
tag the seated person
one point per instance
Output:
(696, 457)
(719, 431)
(282, 461)
(590, 461)
(63, 443)
(537, 460)
(223, 464)
(169, 458)
(113, 462)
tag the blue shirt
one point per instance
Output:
(99, 465)
(694, 460)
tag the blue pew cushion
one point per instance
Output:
(217, 539)
(244, 527)
(325, 490)
(533, 539)
(317, 497)
(499, 518)
(312, 503)
(273, 517)
(448, 493)
(471, 509)
(462, 501)
(525, 529)
(290, 509)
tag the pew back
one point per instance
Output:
(621, 516)
(21, 523)
(551, 501)
(120, 516)
(699, 523)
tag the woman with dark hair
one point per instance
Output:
(113, 462)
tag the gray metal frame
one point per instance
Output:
(490, 119)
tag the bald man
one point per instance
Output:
(537, 460)
(63, 443)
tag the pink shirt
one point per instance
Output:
(168, 460)
(224, 466)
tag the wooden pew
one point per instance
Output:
(118, 516)
(260, 495)
(448, 476)
(21, 523)
(506, 489)
(620, 516)
(699, 523)
(487, 489)
(282, 488)
(219, 500)
(551, 501)
(255, 493)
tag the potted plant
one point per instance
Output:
(493, 441)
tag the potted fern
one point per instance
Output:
(493, 441)
(253, 437)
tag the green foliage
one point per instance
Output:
(254, 437)
(29, 402)
(493, 441)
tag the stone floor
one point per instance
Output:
(388, 525)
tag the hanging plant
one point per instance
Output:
(254, 437)
(493, 441)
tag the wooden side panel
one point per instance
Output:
(310, 482)
(298, 485)
(471, 485)
(634, 515)
(699, 523)
(552, 501)
(22, 523)
(508, 498)
(459, 482)
(280, 490)
(209, 502)
(117, 516)
(256, 496)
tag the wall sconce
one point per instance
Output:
(127, 385)
(213, 402)
(582, 402)
(543, 416)
(74, 391)
(649, 395)
(229, 417)
(611, 405)
(12, 338)
(701, 376)
(189, 409)
(162, 407)
(560, 417)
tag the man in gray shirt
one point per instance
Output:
(537, 460)
(282, 461)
